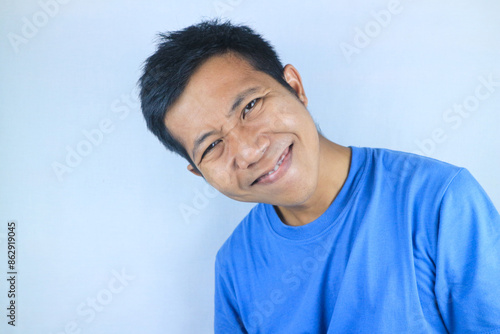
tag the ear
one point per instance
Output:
(193, 170)
(293, 78)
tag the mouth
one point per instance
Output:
(278, 170)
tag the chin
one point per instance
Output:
(294, 197)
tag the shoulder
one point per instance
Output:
(465, 195)
(393, 160)
(406, 176)
(409, 165)
(245, 236)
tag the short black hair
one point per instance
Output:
(178, 55)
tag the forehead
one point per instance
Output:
(209, 95)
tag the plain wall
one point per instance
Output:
(123, 239)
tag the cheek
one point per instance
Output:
(292, 116)
(280, 118)
(218, 178)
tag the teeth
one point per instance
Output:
(281, 160)
(277, 165)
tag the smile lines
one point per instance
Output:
(276, 167)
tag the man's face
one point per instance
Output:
(250, 137)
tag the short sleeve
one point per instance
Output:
(227, 319)
(467, 284)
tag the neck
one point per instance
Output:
(334, 166)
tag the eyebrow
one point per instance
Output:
(237, 101)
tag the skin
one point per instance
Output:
(248, 142)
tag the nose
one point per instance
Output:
(249, 148)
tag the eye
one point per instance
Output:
(209, 148)
(248, 108)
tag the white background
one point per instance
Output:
(119, 209)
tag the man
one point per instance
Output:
(344, 239)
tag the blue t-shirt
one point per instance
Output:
(409, 245)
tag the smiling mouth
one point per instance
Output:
(271, 176)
